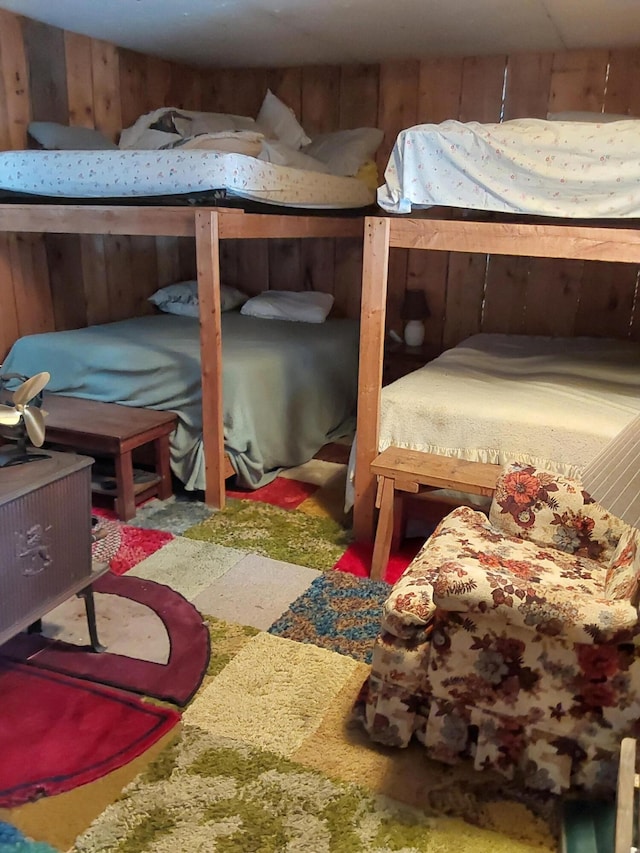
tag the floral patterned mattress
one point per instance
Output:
(137, 173)
(549, 402)
(532, 166)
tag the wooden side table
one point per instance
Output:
(113, 430)
(412, 471)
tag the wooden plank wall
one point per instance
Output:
(68, 281)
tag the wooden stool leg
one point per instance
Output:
(126, 499)
(384, 530)
(163, 467)
(399, 521)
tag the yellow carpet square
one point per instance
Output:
(273, 694)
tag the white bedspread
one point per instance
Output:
(548, 168)
(495, 398)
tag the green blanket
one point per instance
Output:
(288, 387)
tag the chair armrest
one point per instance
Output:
(550, 609)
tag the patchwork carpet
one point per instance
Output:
(175, 680)
(299, 518)
(58, 732)
(268, 760)
(14, 841)
(338, 612)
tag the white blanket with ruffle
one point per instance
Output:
(551, 402)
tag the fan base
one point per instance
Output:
(18, 456)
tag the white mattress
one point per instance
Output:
(531, 166)
(552, 402)
(136, 173)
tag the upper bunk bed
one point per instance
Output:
(176, 156)
(526, 187)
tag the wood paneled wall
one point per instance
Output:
(62, 282)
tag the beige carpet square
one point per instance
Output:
(273, 694)
(187, 565)
(256, 591)
(316, 471)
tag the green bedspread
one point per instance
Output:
(288, 387)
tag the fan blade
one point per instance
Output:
(30, 388)
(34, 422)
(9, 415)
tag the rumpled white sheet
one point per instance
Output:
(548, 168)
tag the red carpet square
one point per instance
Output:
(58, 732)
(137, 544)
(282, 492)
(356, 560)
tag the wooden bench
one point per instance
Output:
(411, 471)
(115, 431)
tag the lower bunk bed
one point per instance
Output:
(551, 402)
(591, 385)
(287, 387)
(209, 226)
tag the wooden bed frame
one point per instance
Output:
(208, 226)
(598, 241)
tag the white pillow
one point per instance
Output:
(346, 151)
(304, 306)
(587, 116)
(277, 121)
(182, 298)
(184, 309)
(61, 137)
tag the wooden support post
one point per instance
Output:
(625, 797)
(208, 266)
(372, 330)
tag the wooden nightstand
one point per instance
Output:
(114, 431)
(399, 359)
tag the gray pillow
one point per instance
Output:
(61, 137)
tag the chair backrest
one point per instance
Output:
(623, 574)
(554, 511)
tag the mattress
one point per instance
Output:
(289, 387)
(131, 174)
(551, 402)
(531, 166)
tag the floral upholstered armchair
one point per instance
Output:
(514, 640)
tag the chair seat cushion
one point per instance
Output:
(468, 565)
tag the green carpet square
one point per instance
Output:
(291, 537)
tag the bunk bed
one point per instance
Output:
(526, 188)
(180, 173)
(208, 226)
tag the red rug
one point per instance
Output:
(282, 492)
(176, 681)
(137, 543)
(356, 560)
(58, 732)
